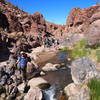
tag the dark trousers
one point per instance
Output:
(23, 73)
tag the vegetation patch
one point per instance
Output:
(94, 86)
(82, 49)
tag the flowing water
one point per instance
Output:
(58, 80)
(50, 93)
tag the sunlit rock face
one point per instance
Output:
(84, 21)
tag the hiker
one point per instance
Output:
(22, 65)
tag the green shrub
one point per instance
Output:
(94, 86)
(82, 49)
(79, 50)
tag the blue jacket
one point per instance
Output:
(22, 61)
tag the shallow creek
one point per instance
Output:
(58, 79)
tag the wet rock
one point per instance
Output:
(83, 69)
(33, 94)
(38, 82)
(77, 92)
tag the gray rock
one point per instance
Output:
(3, 80)
(82, 69)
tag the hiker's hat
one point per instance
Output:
(21, 52)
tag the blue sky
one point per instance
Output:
(53, 10)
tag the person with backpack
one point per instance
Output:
(22, 65)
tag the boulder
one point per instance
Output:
(83, 69)
(21, 87)
(71, 89)
(77, 92)
(50, 67)
(30, 67)
(42, 73)
(38, 82)
(33, 94)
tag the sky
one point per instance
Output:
(55, 11)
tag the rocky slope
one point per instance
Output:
(84, 21)
(17, 20)
(20, 30)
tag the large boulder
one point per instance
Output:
(39, 82)
(83, 69)
(33, 94)
(77, 92)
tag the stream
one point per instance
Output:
(58, 79)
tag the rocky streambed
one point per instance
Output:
(52, 79)
(52, 73)
(58, 76)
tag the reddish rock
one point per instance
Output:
(85, 21)
(79, 16)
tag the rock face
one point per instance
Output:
(20, 21)
(83, 69)
(84, 21)
(21, 31)
(80, 16)
(94, 32)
